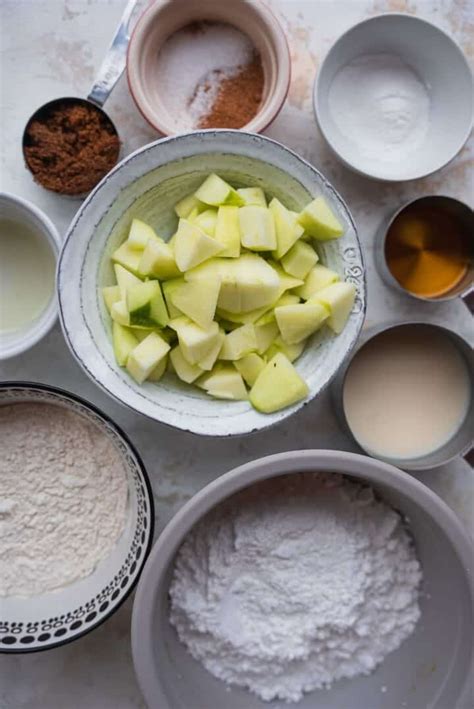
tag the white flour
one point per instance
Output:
(63, 498)
(381, 106)
(294, 584)
(191, 65)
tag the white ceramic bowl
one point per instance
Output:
(44, 621)
(164, 17)
(439, 63)
(430, 669)
(23, 212)
(147, 184)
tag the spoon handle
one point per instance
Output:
(114, 60)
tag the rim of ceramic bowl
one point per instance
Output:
(316, 97)
(27, 386)
(257, 124)
(369, 470)
(38, 328)
(270, 420)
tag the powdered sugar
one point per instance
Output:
(63, 498)
(191, 65)
(294, 584)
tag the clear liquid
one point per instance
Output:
(27, 272)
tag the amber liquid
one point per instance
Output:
(428, 251)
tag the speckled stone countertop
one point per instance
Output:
(52, 48)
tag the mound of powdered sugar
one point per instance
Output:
(63, 498)
(295, 583)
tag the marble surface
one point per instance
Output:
(51, 48)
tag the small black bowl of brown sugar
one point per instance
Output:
(69, 144)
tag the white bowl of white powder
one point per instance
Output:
(318, 577)
(394, 98)
(76, 517)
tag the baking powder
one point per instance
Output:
(381, 106)
(294, 584)
(63, 498)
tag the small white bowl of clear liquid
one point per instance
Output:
(29, 248)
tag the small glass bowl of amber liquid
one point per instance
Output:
(427, 249)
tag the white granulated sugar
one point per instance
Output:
(63, 498)
(294, 584)
(381, 106)
(191, 65)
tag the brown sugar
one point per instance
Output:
(238, 98)
(70, 146)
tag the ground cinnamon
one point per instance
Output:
(69, 146)
(238, 98)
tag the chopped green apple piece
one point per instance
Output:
(186, 372)
(239, 343)
(297, 322)
(265, 335)
(206, 221)
(192, 246)
(225, 383)
(247, 283)
(127, 257)
(250, 367)
(146, 306)
(197, 300)
(146, 356)
(169, 287)
(242, 318)
(111, 295)
(299, 260)
(269, 315)
(318, 219)
(257, 228)
(124, 341)
(287, 282)
(278, 385)
(185, 206)
(228, 326)
(156, 373)
(286, 227)
(210, 359)
(291, 351)
(339, 298)
(119, 313)
(227, 231)
(158, 261)
(125, 280)
(253, 196)
(215, 191)
(195, 342)
(319, 277)
(140, 234)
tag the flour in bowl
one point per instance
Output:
(295, 583)
(63, 498)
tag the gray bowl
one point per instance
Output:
(430, 669)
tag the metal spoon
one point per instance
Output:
(108, 75)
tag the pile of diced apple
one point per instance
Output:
(229, 302)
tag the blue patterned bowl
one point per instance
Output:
(44, 621)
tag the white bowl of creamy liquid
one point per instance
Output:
(29, 247)
(407, 395)
(393, 98)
